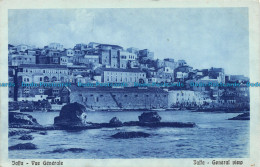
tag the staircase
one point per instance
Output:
(118, 105)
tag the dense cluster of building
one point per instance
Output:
(105, 63)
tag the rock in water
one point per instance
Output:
(149, 117)
(14, 132)
(21, 119)
(115, 121)
(244, 116)
(127, 135)
(71, 114)
(26, 137)
(24, 146)
(43, 133)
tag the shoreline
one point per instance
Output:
(210, 110)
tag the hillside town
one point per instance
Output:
(105, 63)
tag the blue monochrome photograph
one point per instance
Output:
(128, 83)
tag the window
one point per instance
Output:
(41, 90)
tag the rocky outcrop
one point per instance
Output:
(43, 133)
(74, 119)
(26, 137)
(15, 132)
(24, 146)
(115, 121)
(244, 116)
(16, 118)
(149, 117)
(71, 114)
(127, 135)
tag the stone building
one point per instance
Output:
(17, 59)
(164, 74)
(42, 73)
(103, 98)
(217, 73)
(186, 98)
(127, 59)
(55, 46)
(112, 75)
(146, 54)
(114, 54)
(68, 52)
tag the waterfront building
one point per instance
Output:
(103, 98)
(187, 98)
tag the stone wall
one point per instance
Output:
(118, 99)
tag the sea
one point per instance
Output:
(214, 137)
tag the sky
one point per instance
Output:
(204, 37)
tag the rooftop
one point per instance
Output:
(75, 89)
(122, 70)
(42, 66)
(100, 45)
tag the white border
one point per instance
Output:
(254, 45)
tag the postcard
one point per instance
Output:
(129, 83)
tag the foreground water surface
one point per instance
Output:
(214, 136)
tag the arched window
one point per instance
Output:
(46, 79)
(53, 79)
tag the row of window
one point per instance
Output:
(19, 58)
(27, 90)
(125, 73)
(136, 95)
(121, 79)
(45, 71)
